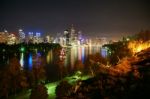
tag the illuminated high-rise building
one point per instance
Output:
(37, 38)
(38, 35)
(71, 37)
(30, 35)
(47, 39)
(11, 39)
(21, 35)
(80, 37)
(72, 33)
(66, 37)
(4, 36)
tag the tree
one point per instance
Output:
(117, 51)
(14, 66)
(143, 35)
(5, 84)
(94, 61)
(38, 73)
(18, 78)
(39, 92)
(14, 70)
(63, 89)
(12, 78)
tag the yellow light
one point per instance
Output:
(137, 46)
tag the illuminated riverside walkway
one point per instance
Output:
(50, 87)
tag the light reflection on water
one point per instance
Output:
(33, 60)
(104, 52)
(82, 54)
(49, 57)
(22, 60)
(73, 54)
(30, 61)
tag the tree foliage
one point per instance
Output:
(63, 89)
(39, 92)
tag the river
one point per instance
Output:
(57, 69)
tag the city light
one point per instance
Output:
(137, 46)
(74, 49)
(22, 60)
(30, 62)
(22, 49)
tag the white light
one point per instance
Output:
(20, 30)
(5, 31)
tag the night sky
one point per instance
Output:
(110, 18)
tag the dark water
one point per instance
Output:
(57, 66)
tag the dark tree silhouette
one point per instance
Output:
(39, 92)
(63, 89)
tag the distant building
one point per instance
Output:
(12, 39)
(80, 38)
(30, 35)
(104, 40)
(71, 37)
(37, 38)
(48, 39)
(66, 37)
(3, 37)
(8, 38)
(38, 35)
(21, 36)
(74, 36)
(34, 38)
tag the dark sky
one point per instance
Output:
(110, 18)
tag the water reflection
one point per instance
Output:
(22, 60)
(73, 54)
(79, 53)
(104, 52)
(72, 58)
(30, 61)
(49, 57)
(82, 54)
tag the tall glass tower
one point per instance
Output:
(21, 35)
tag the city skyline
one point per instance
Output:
(94, 18)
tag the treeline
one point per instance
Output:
(27, 47)
(143, 35)
(120, 49)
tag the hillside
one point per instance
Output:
(129, 79)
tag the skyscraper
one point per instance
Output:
(66, 37)
(72, 37)
(21, 35)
